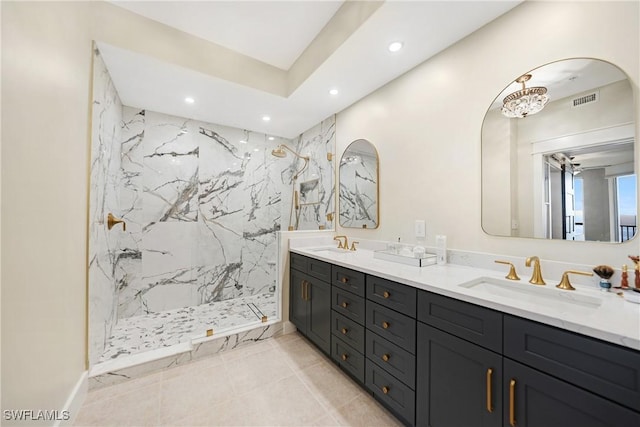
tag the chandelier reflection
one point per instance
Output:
(526, 101)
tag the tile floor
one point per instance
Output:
(283, 381)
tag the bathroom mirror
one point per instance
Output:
(566, 171)
(358, 175)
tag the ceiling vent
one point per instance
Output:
(586, 99)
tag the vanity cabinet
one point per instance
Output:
(440, 362)
(310, 300)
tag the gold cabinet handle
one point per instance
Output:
(512, 404)
(386, 325)
(385, 389)
(345, 304)
(344, 279)
(386, 294)
(386, 357)
(345, 356)
(303, 286)
(489, 388)
(344, 331)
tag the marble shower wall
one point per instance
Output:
(104, 256)
(203, 203)
(317, 192)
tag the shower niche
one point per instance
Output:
(183, 222)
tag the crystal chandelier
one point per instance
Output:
(526, 101)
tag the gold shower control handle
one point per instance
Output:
(112, 220)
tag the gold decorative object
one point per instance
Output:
(526, 101)
(512, 271)
(565, 284)
(536, 277)
(112, 220)
(489, 388)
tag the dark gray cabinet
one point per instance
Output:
(458, 384)
(440, 362)
(310, 301)
(534, 399)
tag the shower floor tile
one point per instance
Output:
(156, 330)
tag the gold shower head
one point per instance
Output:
(278, 152)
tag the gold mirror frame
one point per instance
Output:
(359, 206)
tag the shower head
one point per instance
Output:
(278, 152)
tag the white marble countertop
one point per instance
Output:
(614, 320)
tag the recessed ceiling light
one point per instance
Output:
(271, 138)
(395, 46)
(256, 149)
(242, 141)
(189, 100)
(333, 92)
(266, 118)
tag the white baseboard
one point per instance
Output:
(75, 400)
(288, 327)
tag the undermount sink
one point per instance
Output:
(546, 296)
(331, 249)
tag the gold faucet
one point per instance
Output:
(353, 246)
(512, 270)
(342, 244)
(565, 284)
(536, 277)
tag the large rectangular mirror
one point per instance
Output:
(558, 155)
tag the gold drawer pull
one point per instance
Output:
(386, 325)
(512, 404)
(386, 357)
(344, 331)
(344, 279)
(345, 304)
(489, 399)
(385, 389)
(345, 356)
(386, 294)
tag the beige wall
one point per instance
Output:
(429, 145)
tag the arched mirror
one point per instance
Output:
(558, 155)
(359, 204)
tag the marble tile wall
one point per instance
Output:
(104, 198)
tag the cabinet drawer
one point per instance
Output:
(319, 269)
(394, 295)
(398, 362)
(348, 280)
(348, 304)
(348, 330)
(471, 322)
(600, 367)
(391, 392)
(393, 326)
(348, 358)
(298, 262)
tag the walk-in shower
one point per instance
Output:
(183, 225)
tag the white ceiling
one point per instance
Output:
(277, 32)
